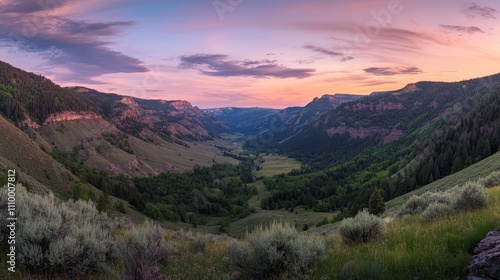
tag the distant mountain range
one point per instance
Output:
(241, 120)
(281, 123)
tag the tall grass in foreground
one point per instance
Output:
(195, 263)
(414, 249)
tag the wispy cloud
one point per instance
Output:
(323, 50)
(31, 6)
(387, 71)
(474, 10)
(327, 52)
(81, 47)
(352, 38)
(347, 58)
(462, 29)
(220, 65)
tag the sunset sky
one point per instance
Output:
(247, 53)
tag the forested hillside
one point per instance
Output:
(27, 94)
(386, 117)
(447, 126)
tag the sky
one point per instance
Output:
(246, 53)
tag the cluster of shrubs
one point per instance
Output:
(58, 239)
(491, 180)
(276, 251)
(362, 228)
(432, 205)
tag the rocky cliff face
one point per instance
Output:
(175, 120)
(28, 122)
(71, 116)
(388, 135)
(377, 107)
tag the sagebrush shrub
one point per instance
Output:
(491, 180)
(142, 249)
(60, 237)
(275, 251)
(414, 205)
(431, 205)
(199, 241)
(418, 204)
(436, 210)
(470, 196)
(364, 227)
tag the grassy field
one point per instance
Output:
(299, 217)
(255, 201)
(276, 164)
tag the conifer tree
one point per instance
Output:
(376, 205)
(103, 203)
(458, 165)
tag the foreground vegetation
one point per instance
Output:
(412, 247)
(406, 248)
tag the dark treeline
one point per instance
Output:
(220, 190)
(476, 137)
(119, 186)
(346, 186)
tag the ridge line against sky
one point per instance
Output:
(218, 53)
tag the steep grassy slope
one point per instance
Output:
(101, 145)
(414, 249)
(473, 172)
(36, 169)
(40, 173)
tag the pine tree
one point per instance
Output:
(458, 165)
(103, 203)
(376, 205)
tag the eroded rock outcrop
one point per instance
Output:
(71, 116)
(485, 263)
(389, 135)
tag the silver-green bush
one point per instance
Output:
(418, 204)
(276, 251)
(491, 180)
(470, 196)
(431, 205)
(364, 227)
(54, 237)
(436, 210)
(142, 249)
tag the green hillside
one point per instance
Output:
(471, 173)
